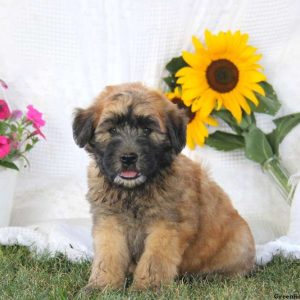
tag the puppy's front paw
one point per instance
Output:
(104, 280)
(88, 289)
(152, 273)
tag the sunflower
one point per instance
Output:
(224, 73)
(196, 131)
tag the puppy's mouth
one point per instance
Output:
(130, 175)
(130, 178)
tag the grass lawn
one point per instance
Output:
(23, 276)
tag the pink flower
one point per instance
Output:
(3, 84)
(35, 117)
(4, 110)
(16, 114)
(38, 132)
(4, 146)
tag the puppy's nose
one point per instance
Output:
(128, 159)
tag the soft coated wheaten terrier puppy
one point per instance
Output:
(156, 213)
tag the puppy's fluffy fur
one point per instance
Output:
(155, 212)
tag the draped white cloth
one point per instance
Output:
(58, 55)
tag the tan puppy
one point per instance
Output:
(155, 212)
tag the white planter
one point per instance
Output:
(8, 180)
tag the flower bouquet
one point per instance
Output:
(19, 132)
(222, 80)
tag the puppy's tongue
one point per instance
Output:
(129, 174)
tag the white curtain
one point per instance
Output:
(59, 54)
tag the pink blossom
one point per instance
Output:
(4, 110)
(38, 132)
(3, 84)
(4, 146)
(35, 117)
(16, 114)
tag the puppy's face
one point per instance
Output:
(132, 132)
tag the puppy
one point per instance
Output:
(156, 213)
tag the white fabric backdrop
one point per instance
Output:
(59, 54)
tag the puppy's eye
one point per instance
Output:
(146, 131)
(113, 130)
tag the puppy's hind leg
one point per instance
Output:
(111, 259)
(237, 256)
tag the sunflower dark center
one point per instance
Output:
(222, 75)
(186, 109)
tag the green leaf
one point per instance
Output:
(28, 147)
(257, 146)
(9, 165)
(283, 126)
(247, 121)
(268, 104)
(176, 64)
(224, 141)
(171, 82)
(3, 127)
(13, 128)
(227, 117)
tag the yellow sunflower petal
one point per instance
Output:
(196, 105)
(228, 37)
(231, 104)
(189, 139)
(203, 131)
(186, 71)
(254, 76)
(242, 41)
(211, 42)
(243, 103)
(188, 102)
(243, 66)
(250, 95)
(211, 121)
(197, 44)
(219, 102)
(257, 88)
(170, 95)
(193, 81)
(200, 134)
(208, 105)
(247, 52)
(223, 42)
(189, 94)
(194, 60)
(177, 92)
(181, 80)
(253, 59)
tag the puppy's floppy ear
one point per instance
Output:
(83, 126)
(176, 123)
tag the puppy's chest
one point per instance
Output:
(138, 216)
(135, 219)
(136, 232)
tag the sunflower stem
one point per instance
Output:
(280, 175)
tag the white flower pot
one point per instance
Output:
(8, 180)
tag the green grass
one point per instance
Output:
(24, 276)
